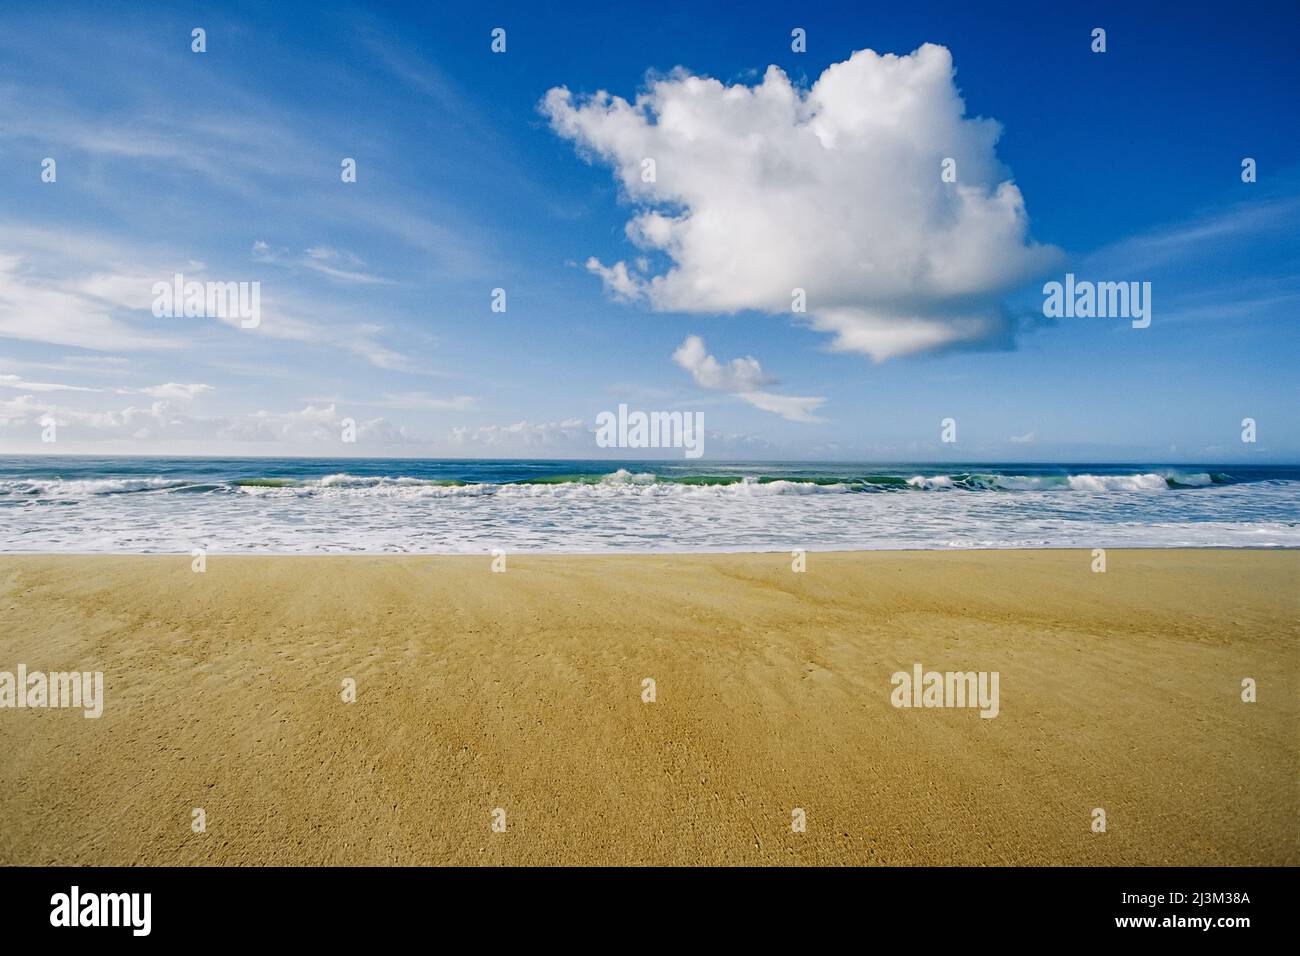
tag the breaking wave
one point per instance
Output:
(617, 483)
(334, 506)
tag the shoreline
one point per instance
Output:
(523, 691)
(633, 553)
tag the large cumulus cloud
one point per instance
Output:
(835, 190)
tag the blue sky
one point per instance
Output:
(376, 295)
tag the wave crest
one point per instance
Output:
(620, 482)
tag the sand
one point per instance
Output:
(523, 691)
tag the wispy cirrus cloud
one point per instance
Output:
(69, 289)
(81, 309)
(172, 390)
(16, 382)
(332, 263)
(1198, 236)
(1228, 264)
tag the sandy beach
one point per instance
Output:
(523, 691)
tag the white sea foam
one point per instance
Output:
(639, 511)
(1148, 482)
(625, 483)
(84, 487)
(617, 483)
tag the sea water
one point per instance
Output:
(311, 505)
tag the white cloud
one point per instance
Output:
(318, 425)
(69, 288)
(571, 434)
(423, 401)
(324, 260)
(618, 282)
(14, 381)
(1203, 236)
(334, 265)
(738, 375)
(742, 377)
(1026, 439)
(171, 390)
(761, 190)
(68, 311)
(25, 412)
(791, 407)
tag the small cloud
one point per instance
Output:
(739, 375)
(742, 377)
(263, 251)
(619, 283)
(1028, 438)
(793, 408)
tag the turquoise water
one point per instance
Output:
(296, 505)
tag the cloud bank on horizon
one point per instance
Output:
(754, 192)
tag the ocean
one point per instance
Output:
(328, 506)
